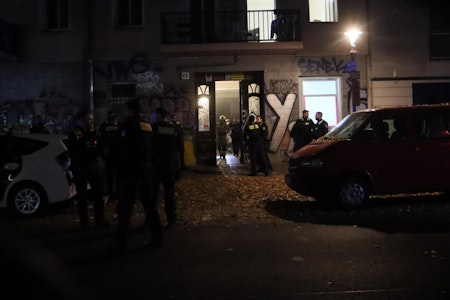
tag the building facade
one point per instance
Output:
(201, 59)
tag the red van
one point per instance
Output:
(392, 150)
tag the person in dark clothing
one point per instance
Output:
(164, 155)
(254, 139)
(302, 131)
(86, 168)
(38, 126)
(266, 140)
(180, 165)
(321, 127)
(135, 177)
(236, 136)
(110, 144)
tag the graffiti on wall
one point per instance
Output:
(280, 99)
(174, 105)
(282, 94)
(309, 66)
(148, 81)
(282, 111)
(138, 67)
(19, 115)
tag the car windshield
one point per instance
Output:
(348, 126)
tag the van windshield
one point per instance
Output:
(348, 126)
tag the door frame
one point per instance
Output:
(205, 141)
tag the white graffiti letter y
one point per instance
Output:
(283, 111)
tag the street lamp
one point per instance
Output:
(352, 37)
(351, 68)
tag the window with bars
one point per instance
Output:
(55, 15)
(129, 13)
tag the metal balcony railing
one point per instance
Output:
(230, 26)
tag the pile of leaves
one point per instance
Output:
(230, 195)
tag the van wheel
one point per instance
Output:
(27, 199)
(352, 192)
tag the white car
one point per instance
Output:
(34, 172)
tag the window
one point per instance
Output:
(322, 94)
(439, 31)
(323, 11)
(55, 15)
(433, 125)
(129, 13)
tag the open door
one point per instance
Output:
(252, 101)
(206, 129)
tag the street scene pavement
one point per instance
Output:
(239, 237)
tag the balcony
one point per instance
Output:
(261, 32)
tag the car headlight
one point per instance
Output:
(311, 163)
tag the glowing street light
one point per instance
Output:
(352, 37)
(351, 67)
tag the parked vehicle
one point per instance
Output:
(34, 172)
(376, 151)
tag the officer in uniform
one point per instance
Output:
(135, 177)
(164, 155)
(86, 168)
(180, 165)
(266, 140)
(321, 127)
(302, 131)
(110, 144)
(254, 138)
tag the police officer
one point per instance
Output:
(85, 165)
(135, 176)
(254, 138)
(164, 155)
(302, 131)
(180, 165)
(110, 145)
(321, 127)
(266, 140)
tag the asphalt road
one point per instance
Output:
(250, 261)
(398, 249)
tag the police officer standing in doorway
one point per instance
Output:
(302, 131)
(86, 167)
(164, 155)
(135, 177)
(255, 140)
(266, 140)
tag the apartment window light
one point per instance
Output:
(323, 11)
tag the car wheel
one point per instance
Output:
(27, 199)
(352, 193)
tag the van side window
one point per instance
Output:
(378, 129)
(433, 125)
(399, 129)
